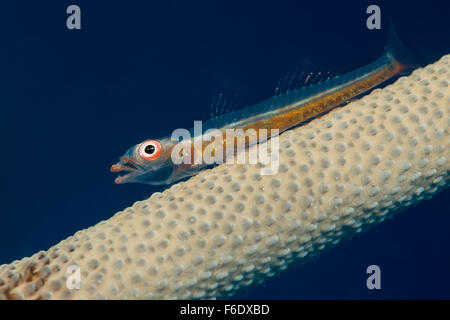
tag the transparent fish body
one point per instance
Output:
(279, 112)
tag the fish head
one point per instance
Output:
(148, 162)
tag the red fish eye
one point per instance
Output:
(150, 149)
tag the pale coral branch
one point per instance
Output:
(230, 226)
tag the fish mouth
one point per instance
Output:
(127, 165)
(119, 167)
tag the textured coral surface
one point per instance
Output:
(230, 226)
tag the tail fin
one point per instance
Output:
(397, 52)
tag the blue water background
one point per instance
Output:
(71, 102)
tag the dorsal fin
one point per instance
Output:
(225, 101)
(296, 79)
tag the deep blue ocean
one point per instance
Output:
(73, 101)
